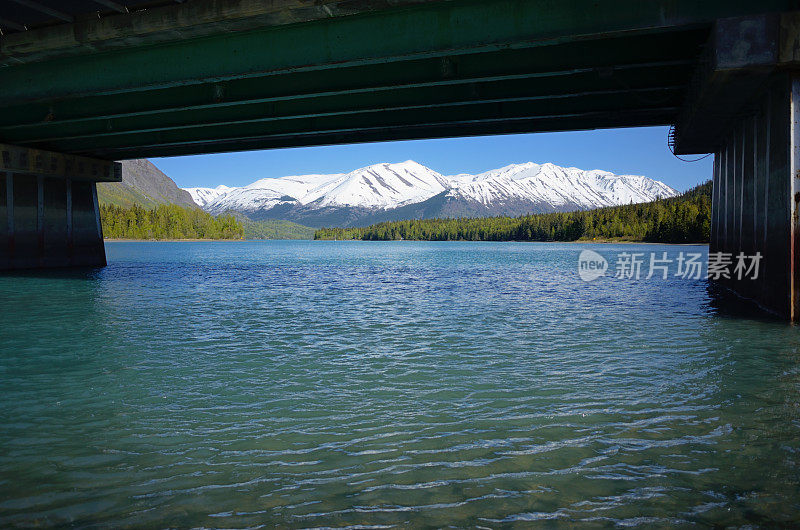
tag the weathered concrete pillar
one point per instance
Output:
(745, 108)
(755, 200)
(49, 214)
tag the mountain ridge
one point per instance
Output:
(143, 184)
(409, 190)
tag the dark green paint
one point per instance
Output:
(437, 69)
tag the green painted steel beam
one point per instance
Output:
(454, 113)
(586, 56)
(428, 30)
(450, 68)
(581, 121)
(640, 83)
(668, 94)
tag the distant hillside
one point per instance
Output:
(143, 184)
(275, 229)
(271, 228)
(682, 219)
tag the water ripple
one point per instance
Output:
(356, 385)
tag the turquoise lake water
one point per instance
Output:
(318, 384)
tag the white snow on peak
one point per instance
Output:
(387, 186)
(203, 196)
(557, 186)
(380, 186)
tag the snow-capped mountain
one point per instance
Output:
(382, 186)
(203, 196)
(556, 186)
(410, 190)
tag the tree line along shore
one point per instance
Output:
(682, 219)
(166, 221)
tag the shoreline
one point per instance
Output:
(612, 242)
(584, 242)
(107, 240)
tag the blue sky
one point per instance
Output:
(637, 151)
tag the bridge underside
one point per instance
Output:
(299, 74)
(615, 81)
(224, 75)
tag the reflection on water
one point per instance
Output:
(327, 384)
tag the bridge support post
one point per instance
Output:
(744, 107)
(756, 198)
(49, 214)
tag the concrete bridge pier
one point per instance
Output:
(745, 108)
(49, 215)
(756, 196)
